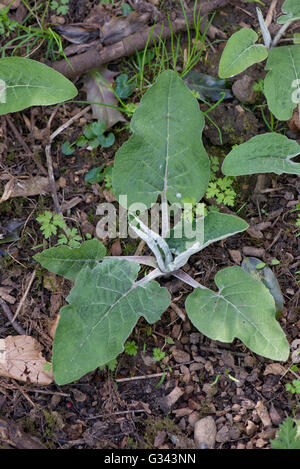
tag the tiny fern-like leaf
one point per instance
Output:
(104, 306)
(243, 308)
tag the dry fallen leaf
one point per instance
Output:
(25, 187)
(274, 369)
(97, 85)
(21, 359)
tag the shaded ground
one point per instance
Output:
(244, 393)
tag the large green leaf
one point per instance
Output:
(240, 53)
(104, 306)
(291, 8)
(282, 81)
(217, 226)
(266, 153)
(243, 308)
(165, 156)
(68, 262)
(25, 82)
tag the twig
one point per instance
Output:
(121, 412)
(275, 239)
(49, 156)
(24, 296)
(124, 380)
(99, 55)
(24, 144)
(270, 13)
(9, 315)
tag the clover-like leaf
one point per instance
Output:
(265, 153)
(104, 306)
(69, 262)
(241, 51)
(243, 308)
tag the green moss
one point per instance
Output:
(153, 425)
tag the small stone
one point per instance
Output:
(180, 356)
(223, 435)
(195, 338)
(195, 367)
(251, 428)
(193, 418)
(274, 416)
(260, 443)
(205, 432)
(235, 255)
(252, 251)
(176, 331)
(243, 90)
(263, 414)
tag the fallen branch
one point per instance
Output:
(99, 55)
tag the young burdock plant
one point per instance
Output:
(281, 84)
(164, 160)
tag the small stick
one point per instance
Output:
(154, 375)
(24, 297)
(121, 412)
(270, 13)
(24, 144)
(275, 239)
(9, 315)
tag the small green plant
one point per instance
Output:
(158, 354)
(293, 387)
(130, 348)
(288, 436)
(164, 159)
(93, 137)
(221, 189)
(52, 224)
(283, 62)
(61, 7)
(7, 25)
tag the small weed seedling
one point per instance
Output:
(60, 7)
(293, 387)
(165, 160)
(56, 225)
(93, 137)
(288, 435)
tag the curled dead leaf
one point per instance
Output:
(21, 359)
(26, 187)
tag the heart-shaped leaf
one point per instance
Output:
(26, 82)
(281, 85)
(243, 308)
(165, 156)
(291, 10)
(68, 262)
(241, 52)
(266, 153)
(104, 306)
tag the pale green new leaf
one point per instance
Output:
(215, 226)
(68, 262)
(282, 81)
(165, 155)
(241, 52)
(265, 153)
(104, 306)
(291, 8)
(243, 308)
(26, 82)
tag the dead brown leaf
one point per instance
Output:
(116, 248)
(5, 295)
(21, 359)
(36, 185)
(274, 369)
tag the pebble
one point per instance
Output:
(205, 432)
(263, 414)
(251, 428)
(180, 356)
